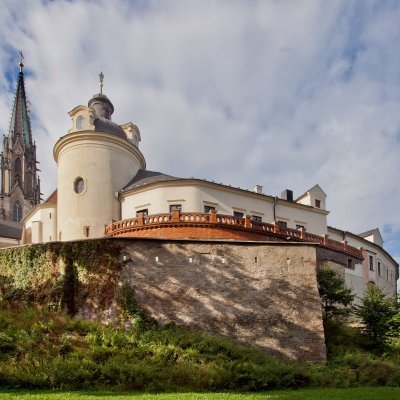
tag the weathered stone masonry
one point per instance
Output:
(261, 294)
(258, 293)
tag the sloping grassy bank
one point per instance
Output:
(370, 393)
(48, 350)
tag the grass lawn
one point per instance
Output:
(387, 393)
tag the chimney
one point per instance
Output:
(287, 195)
(258, 189)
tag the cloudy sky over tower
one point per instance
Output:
(285, 94)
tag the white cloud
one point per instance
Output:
(277, 93)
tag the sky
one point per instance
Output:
(284, 94)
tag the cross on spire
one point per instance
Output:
(21, 64)
(101, 76)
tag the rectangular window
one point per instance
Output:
(371, 263)
(208, 209)
(387, 274)
(256, 218)
(141, 213)
(282, 224)
(299, 226)
(86, 231)
(49, 215)
(175, 207)
(238, 214)
(317, 203)
(349, 263)
(379, 268)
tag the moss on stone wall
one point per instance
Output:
(67, 276)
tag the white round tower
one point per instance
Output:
(95, 160)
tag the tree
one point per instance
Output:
(335, 297)
(378, 313)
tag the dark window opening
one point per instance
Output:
(86, 231)
(379, 269)
(299, 226)
(282, 224)
(349, 263)
(371, 263)
(175, 207)
(208, 209)
(256, 218)
(17, 211)
(141, 213)
(317, 203)
(238, 214)
(18, 168)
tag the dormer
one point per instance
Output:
(314, 197)
(82, 119)
(132, 133)
(373, 236)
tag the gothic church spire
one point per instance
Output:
(20, 185)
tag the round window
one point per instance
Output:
(79, 185)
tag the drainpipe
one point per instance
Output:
(275, 203)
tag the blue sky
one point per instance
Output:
(278, 93)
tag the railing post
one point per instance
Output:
(303, 233)
(140, 220)
(176, 216)
(213, 217)
(277, 228)
(247, 222)
(326, 239)
(345, 245)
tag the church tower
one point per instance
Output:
(20, 184)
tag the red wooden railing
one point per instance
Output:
(119, 228)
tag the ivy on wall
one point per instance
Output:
(61, 275)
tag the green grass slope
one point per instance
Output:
(46, 350)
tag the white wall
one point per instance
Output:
(40, 224)
(106, 163)
(385, 280)
(194, 195)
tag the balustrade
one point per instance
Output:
(201, 219)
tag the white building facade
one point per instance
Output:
(102, 177)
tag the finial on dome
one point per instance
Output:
(21, 64)
(101, 76)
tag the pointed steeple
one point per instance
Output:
(20, 184)
(20, 125)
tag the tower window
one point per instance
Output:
(317, 203)
(86, 231)
(17, 168)
(17, 211)
(80, 122)
(79, 185)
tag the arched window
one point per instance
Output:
(17, 168)
(80, 122)
(17, 211)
